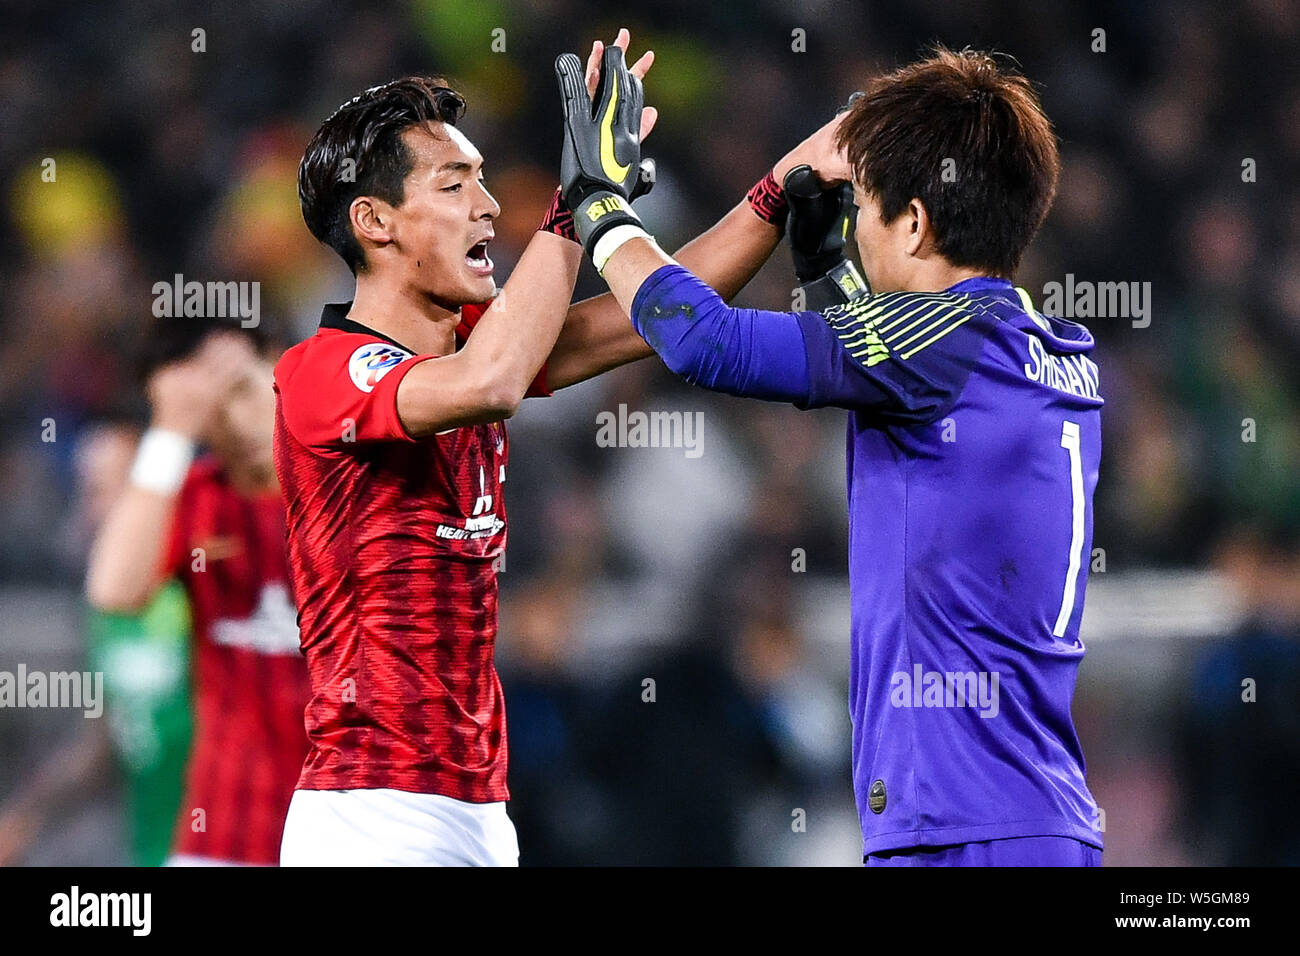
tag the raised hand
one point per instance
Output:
(600, 164)
(186, 395)
(820, 152)
(821, 217)
(639, 69)
(649, 115)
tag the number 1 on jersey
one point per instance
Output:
(1070, 442)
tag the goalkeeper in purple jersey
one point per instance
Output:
(974, 436)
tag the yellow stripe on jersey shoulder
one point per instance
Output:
(898, 323)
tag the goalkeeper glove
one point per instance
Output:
(820, 220)
(601, 169)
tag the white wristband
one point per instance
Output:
(162, 461)
(609, 243)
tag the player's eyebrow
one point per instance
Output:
(456, 166)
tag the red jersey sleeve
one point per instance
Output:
(340, 388)
(469, 316)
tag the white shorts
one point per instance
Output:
(395, 828)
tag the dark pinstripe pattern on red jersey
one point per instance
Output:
(388, 605)
(249, 742)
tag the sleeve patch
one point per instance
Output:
(373, 361)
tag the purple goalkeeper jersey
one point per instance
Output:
(970, 532)
(974, 436)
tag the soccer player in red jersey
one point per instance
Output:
(392, 454)
(217, 524)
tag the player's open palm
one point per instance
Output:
(601, 169)
(639, 69)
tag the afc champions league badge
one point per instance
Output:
(372, 362)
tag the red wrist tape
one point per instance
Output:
(559, 218)
(767, 199)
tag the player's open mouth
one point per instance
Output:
(477, 259)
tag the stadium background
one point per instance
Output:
(634, 563)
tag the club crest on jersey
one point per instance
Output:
(372, 362)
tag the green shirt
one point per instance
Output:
(145, 660)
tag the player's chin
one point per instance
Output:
(478, 288)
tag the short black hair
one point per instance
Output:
(359, 151)
(964, 112)
(171, 339)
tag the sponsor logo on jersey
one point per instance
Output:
(877, 798)
(372, 362)
(483, 523)
(272, 628)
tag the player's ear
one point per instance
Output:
(371, 220)
(918, 226)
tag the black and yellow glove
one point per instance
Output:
(820, 222)
(601, 169)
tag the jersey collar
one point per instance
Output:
(985, 284)
(335, 316)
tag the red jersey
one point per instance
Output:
(250, 685)
(393, 543)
